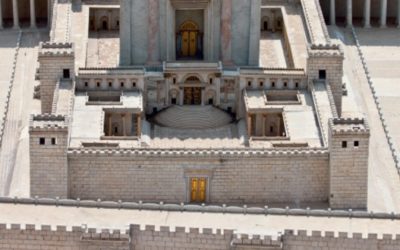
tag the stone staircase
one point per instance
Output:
(192, 117)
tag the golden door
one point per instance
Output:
(198, 189)
(189, 43)
(188, 96)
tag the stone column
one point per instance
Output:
(139, 125)
(398, 13)
(367, 14)
(383, 13)
(152, 32)
(202, 97)
(226, 31)
(1, 16)
(263, 124)
(333, 12)
(33, 13)
(15, 14)
(49, 15)
(249, 125)
(110, 125)
(349, 16)
(181, 96)
(123, 124)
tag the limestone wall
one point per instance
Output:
(17, 237)
(251, 178)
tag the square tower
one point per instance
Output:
(348, 163)
(325, 63)
(48, 141)
(56, 62)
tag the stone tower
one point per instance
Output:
(325, 63)
(56, 63)
(48, 139)
(348, 163)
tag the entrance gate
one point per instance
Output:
(198, 189)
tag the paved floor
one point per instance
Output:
(272, 50)
(250, 224)
(103, 49)
(384, 182)
(381, 48)
(14, 154)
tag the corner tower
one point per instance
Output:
(348, 163)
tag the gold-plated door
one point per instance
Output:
(193, 43)
(198, 189)
(185, 44)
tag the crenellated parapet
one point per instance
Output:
(49, 49)
(48, 122)
(349, 126)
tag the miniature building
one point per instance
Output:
(199, 109)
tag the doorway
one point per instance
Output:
(189, 41)
(198, 189)
(192, 96)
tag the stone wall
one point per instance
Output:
(249, 178)
(17, 237)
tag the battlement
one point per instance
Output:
(347, 126)
(325, 50)
(48, 122)
(223, 153)
(49, 49)
(341, 235)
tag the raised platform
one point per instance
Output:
(192, 117)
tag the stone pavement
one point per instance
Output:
(383, 183)
(250, 224)
(14, 155)
(272, 54)
(103, 49)
(381, 48)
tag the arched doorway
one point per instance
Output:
(189, 41)
(192, 91)
(104, 23)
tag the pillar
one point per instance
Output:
(333, 12)
(367, 14)
(139, 125)
(110, 125)
(49, 11)
(349, 16)
(1, 16)
(249, 125)
(123, 124)
(33, 13)
(153, 32)
(383, 13)
(15, 14)
(398, 13)
(181, 96)
(263, 124)
(226, 31)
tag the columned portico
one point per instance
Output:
(15, 14)
(383, 13)
(33, 13)
(332, 15)
(367, 14)
(349, 16)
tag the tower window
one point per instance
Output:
(42, 141)
(86, 84)
(273, 84)
(122, 84)
(356, 144)
(110, 84)
(297, 84)
(174, 80)
(98, 84)
(344, 144)
(66, 74)
(211, 81)
(322, 74)
(53, 141)
(261, 84)
(134, 84)
(249, 83)
(285, 84)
